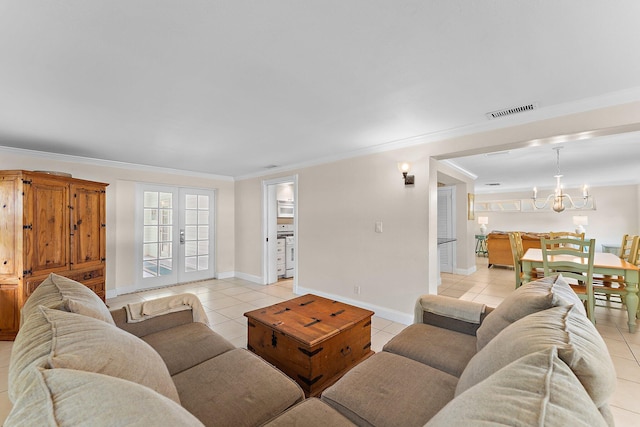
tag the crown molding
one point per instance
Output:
(111, 163)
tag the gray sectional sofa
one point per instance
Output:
(76, 363)
(534, 360)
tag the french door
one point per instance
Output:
(176, 234)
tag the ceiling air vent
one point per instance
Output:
(510, 111)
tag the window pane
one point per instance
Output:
(165, 234)
(203, 217)
(166, 200)
(150, 269)
(190, 248)
(191, 201)
(166, 216)
(191, 232)
(203, 232)
(150, 251)
(191, 217)
(203, 262)
(150, 199)
(150, 216)
(203, 247)
(203, 202)
(165, 250)
(191, 264)
(166, 267)
(150, 234)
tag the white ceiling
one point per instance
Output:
(231, 87)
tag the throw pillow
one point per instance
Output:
(65, 294)
(58, 339)
(535, 390)
(579, 345)
(529, 298)
(66, 397)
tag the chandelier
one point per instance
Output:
(558, 199)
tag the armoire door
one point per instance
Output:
(46, 225)
(87, 226)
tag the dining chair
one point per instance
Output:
(613, 283)
(565, 235)
(626, 245)
(517, 251)
(634, 252)
(573, 258)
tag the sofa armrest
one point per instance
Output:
(151, 325)
(451, 313)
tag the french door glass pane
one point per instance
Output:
(196, 232)
(158, 227)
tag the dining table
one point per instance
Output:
(603, 263)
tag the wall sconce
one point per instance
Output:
(405, 167)
(483, 221)
(580, 221)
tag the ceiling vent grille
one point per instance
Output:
(509, 111)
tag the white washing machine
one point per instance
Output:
(289, 256)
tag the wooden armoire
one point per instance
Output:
(49, 223)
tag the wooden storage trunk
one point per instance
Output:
(313, 340)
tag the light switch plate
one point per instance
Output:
(378, 226)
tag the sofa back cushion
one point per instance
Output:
(66, 397)
(52, 338)
(536, 390)
(528, 298)
(65, 294)
(579, 345)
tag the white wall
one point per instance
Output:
(121, 207)
(616, 214)
(339, 203)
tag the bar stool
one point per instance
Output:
(481, 245)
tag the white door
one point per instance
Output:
(446, 251)
(175, 228)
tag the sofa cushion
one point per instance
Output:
(65, 294)
(446, 350)
(66, 397)
(578, 342)
(529, 298)
(535, 390)
(310, 413)
(185, 346)
(247, 391)
(391, 390)
(56, 339)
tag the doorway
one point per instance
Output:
(174, 235)
(280, 229)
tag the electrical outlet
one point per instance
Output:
(356, 290)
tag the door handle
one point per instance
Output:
(182, 237)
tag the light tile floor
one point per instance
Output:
(226, 301)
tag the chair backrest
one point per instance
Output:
(577, 262)
(517, 251)
(634, 252)
(515, 239)
(625, 246)
(565, 235)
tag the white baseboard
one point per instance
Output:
(466, 272)
(386, 313)
(249, 277)
(226, 275)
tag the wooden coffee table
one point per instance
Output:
(312, 339)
